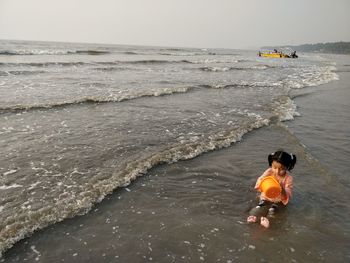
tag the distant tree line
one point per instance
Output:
(335, 47)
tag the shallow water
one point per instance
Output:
(194, 211)
(325, 124)
(99, 129)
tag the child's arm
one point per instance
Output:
(287, 188)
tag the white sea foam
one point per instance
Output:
(36, 252)
(285, 108)
(5, 187)
(39, 51)
(119, 97)
(311, 76)
(13, 170)
(35, 52)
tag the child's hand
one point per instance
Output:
(283, 192)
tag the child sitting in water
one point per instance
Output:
(280, 162)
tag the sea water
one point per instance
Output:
(79, 121)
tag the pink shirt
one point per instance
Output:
(286, 183)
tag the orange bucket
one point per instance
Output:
(270, 187)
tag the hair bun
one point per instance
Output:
(286, 159)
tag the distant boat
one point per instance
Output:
(277, 54)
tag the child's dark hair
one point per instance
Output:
(286, 159)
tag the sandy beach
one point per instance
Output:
(135, 131)
(195, 210)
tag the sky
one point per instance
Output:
(242, 24)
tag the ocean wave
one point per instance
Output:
(91, 52)
(242, 84)
(95, 99)
(133, 53)
(154, 61)
(165, 52)
(225, 69)
(201, 52)
(5, 187)
(8, 53)
(108, 63)
(115, 98)
(21, 72)
(183, 54)
(45, 64)
(312, 76)
(68, 206)
(172, 49)
(141, 62)
(115, 68)
(25, 52)
(284, 108)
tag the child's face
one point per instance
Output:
(278, 168)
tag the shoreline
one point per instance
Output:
(175, 205)
(197, 208)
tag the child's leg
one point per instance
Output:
(252, 219)
(263, 202)
(271, 214)
(275, 207)
(263, 211)
(259, 211)
(264, 222)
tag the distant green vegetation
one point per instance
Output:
(335, 47)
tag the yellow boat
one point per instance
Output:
(277, 54)
(273, 55)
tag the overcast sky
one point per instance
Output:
(177, 23)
